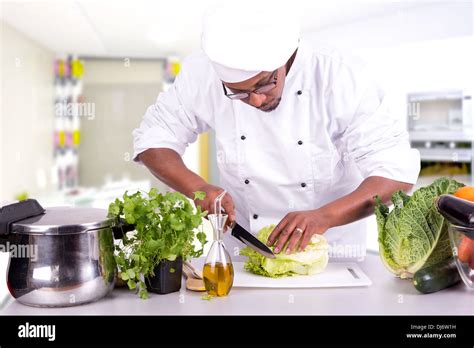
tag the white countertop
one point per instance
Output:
(387, 295)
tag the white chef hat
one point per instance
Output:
(243, 39)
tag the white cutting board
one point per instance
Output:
(334, 276)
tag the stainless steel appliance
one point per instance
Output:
(58, 256)
(441, 127)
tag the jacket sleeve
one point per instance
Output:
(371, 136)
(172, 121)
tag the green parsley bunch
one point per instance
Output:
(165, 228)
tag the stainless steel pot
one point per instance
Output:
(63, 257)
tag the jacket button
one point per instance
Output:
(255, 216)
(299, 92)
(247, 181)
(300, 142)
(303, 184)
(243, 137)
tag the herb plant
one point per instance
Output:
(165, 228)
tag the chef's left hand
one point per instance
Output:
(297, 228)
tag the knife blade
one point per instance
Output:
(251, 241)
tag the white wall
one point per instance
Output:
(120, 92)
(433, 21)
(26, 116)
(425, 66)
(26, 120)
(421, 48)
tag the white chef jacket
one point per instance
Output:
(331, 130)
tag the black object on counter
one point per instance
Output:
(251, 241)
(15, 212)
(121, 227)
(437, 277)
(456, 210)
(167, 277)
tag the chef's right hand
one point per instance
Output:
(208, 203)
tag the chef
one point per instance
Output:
(304, 137)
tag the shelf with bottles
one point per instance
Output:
(68, 72)
(172, 67)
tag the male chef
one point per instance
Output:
(303, 135)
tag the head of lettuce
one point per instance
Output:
(313, 259)
(414, 235)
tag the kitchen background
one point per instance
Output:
(77, 77)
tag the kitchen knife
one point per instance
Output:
(251, 241)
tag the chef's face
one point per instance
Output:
(267, 101)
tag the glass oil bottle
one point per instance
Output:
(218, 272)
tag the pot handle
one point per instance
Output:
(15, 212)
(121, 227)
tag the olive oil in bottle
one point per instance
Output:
(218, 272)
(218, 278)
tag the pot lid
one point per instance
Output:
(63, 220)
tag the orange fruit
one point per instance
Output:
(466, 192)
(466, 250)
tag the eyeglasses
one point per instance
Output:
(260, 90)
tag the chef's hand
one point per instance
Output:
(297, 228)
(208, 203)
